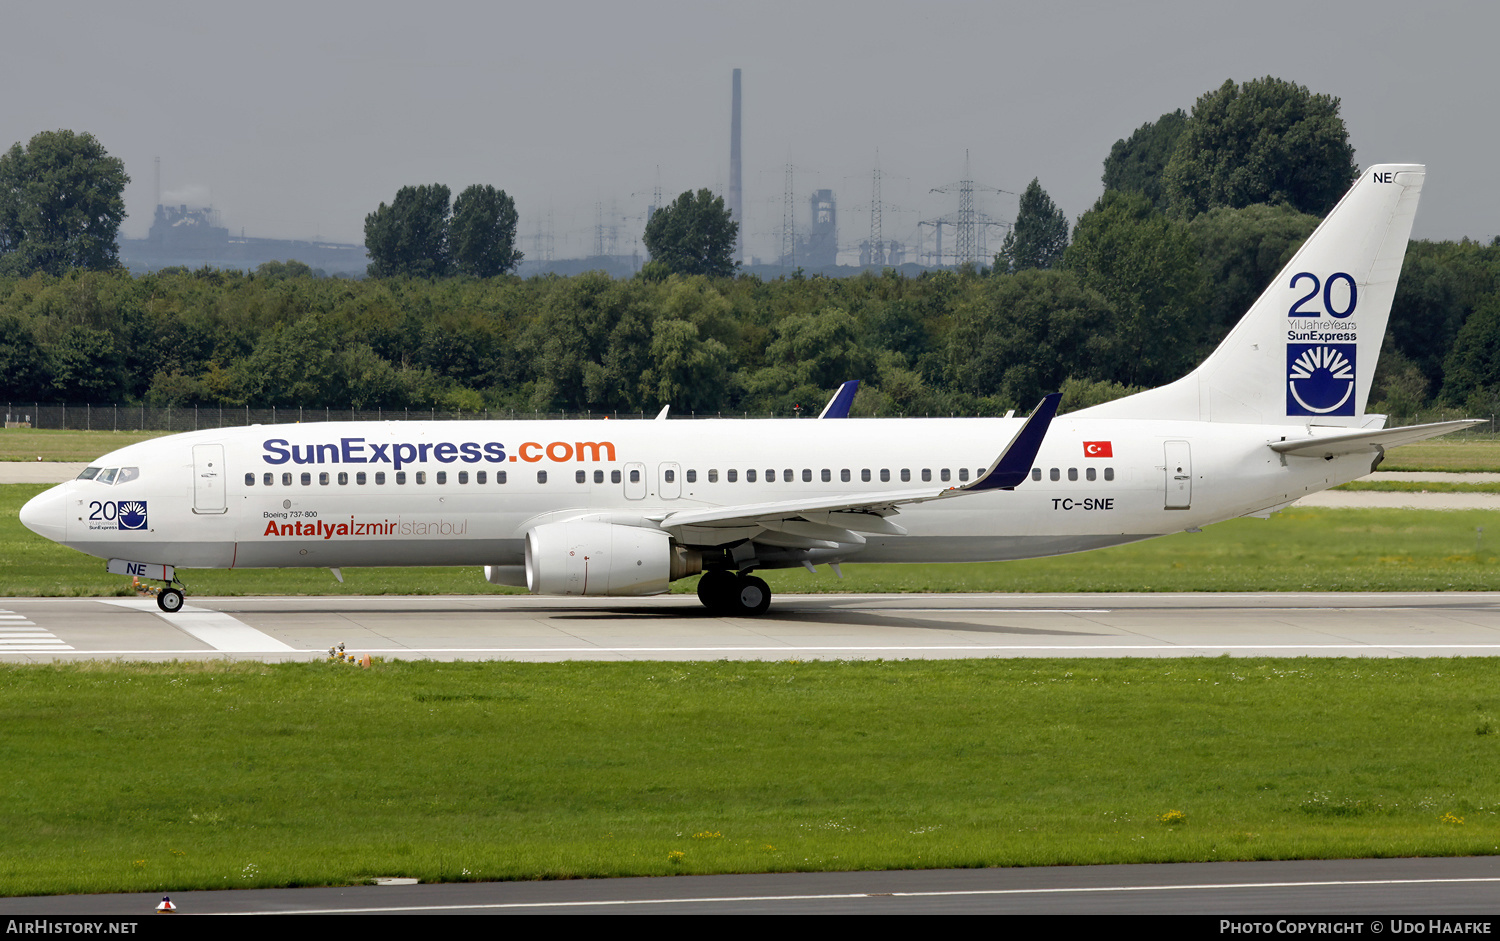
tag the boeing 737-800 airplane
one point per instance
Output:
(625, 507)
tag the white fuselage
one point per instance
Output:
(431, 493)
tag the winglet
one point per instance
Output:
(1013, 466)
(662, 415)
(838, 406)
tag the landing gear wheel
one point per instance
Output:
(754, 596)
(717, 590)
(169, 600)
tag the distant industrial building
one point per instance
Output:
(193, 238)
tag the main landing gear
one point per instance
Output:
(732, 595)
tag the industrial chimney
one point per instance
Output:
(736, 194)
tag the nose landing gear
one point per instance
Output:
(732, 595)
(170, 600)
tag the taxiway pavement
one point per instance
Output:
(828, 626)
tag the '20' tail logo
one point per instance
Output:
(1320, 378)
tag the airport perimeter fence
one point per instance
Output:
(191, 418)
(196, 418)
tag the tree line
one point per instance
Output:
(1199, 212)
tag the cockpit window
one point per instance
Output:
(127, 474)
(107, 476)
(89, 473)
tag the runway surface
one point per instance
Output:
(676, 627)
(1410, 887)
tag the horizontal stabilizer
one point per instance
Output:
(1336, 445)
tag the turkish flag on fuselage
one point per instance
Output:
(1098, 449)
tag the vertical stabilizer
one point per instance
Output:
(1305, 352)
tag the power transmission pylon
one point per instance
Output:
(969, 223)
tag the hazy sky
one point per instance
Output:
(298, 118)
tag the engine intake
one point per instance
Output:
(586, 558)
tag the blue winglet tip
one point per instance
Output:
(1016, 463)
(843, 399)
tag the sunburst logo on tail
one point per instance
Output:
(1320, 378)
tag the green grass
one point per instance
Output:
(28, 444)
(163, 777)
(1295, 550)
(1458, 455)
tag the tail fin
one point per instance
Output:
(1305, 352)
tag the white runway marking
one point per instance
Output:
(939, 893)
(219, 631)
(18, 634)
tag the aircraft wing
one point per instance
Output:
(835, 518)
(1328, 446)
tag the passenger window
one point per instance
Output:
(614, 476)
(827, 475)
(926, 474)
(463, 477)
(380, 478)
(1109, 473)
(787, 475)
(1072, 473)
(581, 477)
(844, 475)
(963, 473)
(541, 477)
(670, 475)
(323, 479)
(885, 475)
(1036, 473)
(401, 478)
(598, 476)
(268, 479)
(905, 474)
(1091, 474)
(442, 477)
(692, 477)
(360, 478)
(731, 475)
(250, 479)
(750, 476)
(946, 474)
(771, 475)
(864, 474)
(1054, 474)
(343, 478)
(421, 477)
(286, 480)
(713, 475)
(500, 477)
(481, 477)
(635, 476)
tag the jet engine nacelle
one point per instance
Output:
(584, 558)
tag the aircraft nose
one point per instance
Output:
(45, 513)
